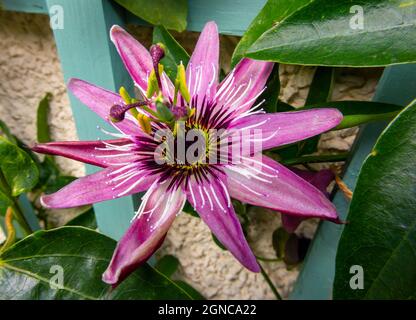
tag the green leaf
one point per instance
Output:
(27, 268)
(190, 290)
(273, 12)
(5, 202)
(327, 33)
(5, 132)
(381, 234)
(360, 112)
(190, 210)
(42, 124)
(321, 86)
(19, 170)
(218, 242)
(57, 183)
(85, 219)
(271, 94)
(170, 14)
(167, 265)
(279, 238)
(175, 53)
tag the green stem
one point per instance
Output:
(268, 259)
(18, 214)
(270, 283)
(316, 159)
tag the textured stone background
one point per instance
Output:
(29, 67)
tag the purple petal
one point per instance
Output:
(202, 69)
(137, 60)
(320, 180)
(211, 200)
(135, 56)
(241, 88)
(282, 128)
(100, 101)
(88, 151)
(146, 233)
(263, 182)
(104, 185)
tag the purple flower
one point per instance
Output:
(130, 164)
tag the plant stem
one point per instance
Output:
(20, 217)
(18, 214)
(11, 233)
(270, 283)
(268, 259)
(316, 159)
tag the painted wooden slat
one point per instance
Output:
(28, 6)
(233, 17)
(398, 86)
(86, 52)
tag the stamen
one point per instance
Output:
(209, 199)
(118, 112)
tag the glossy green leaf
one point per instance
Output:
(175, 53)
(270, 96)
(360, 112)
(380, 238)
(273, 12)
(81, 255)
(19, 170)
(5, 202)
(190, 210)
(320, 91)
(342, 33)
(196, 295)
(170, 14)
(167, 265)
(321, 86)
(84, 219)
(42, 123)
(5, 132)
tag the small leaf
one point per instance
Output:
(273, 13)
(360, 112)
(167, 265)
(42, 123)
(19, 170)
(321, 86)
(190, 210)
(343, 33)
(270, 96)
(218, 243)
(175, 53)
(5, 202)
(380, 238)
(279, 238)
(5, 132)
(170, 14)
(58, 183)
(73, 259)
(84, 219)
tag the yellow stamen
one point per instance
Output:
(144, 123)
(181, 81)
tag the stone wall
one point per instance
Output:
(29, 67)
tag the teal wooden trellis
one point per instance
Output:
(86, 52)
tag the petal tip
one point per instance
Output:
(114, 30)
